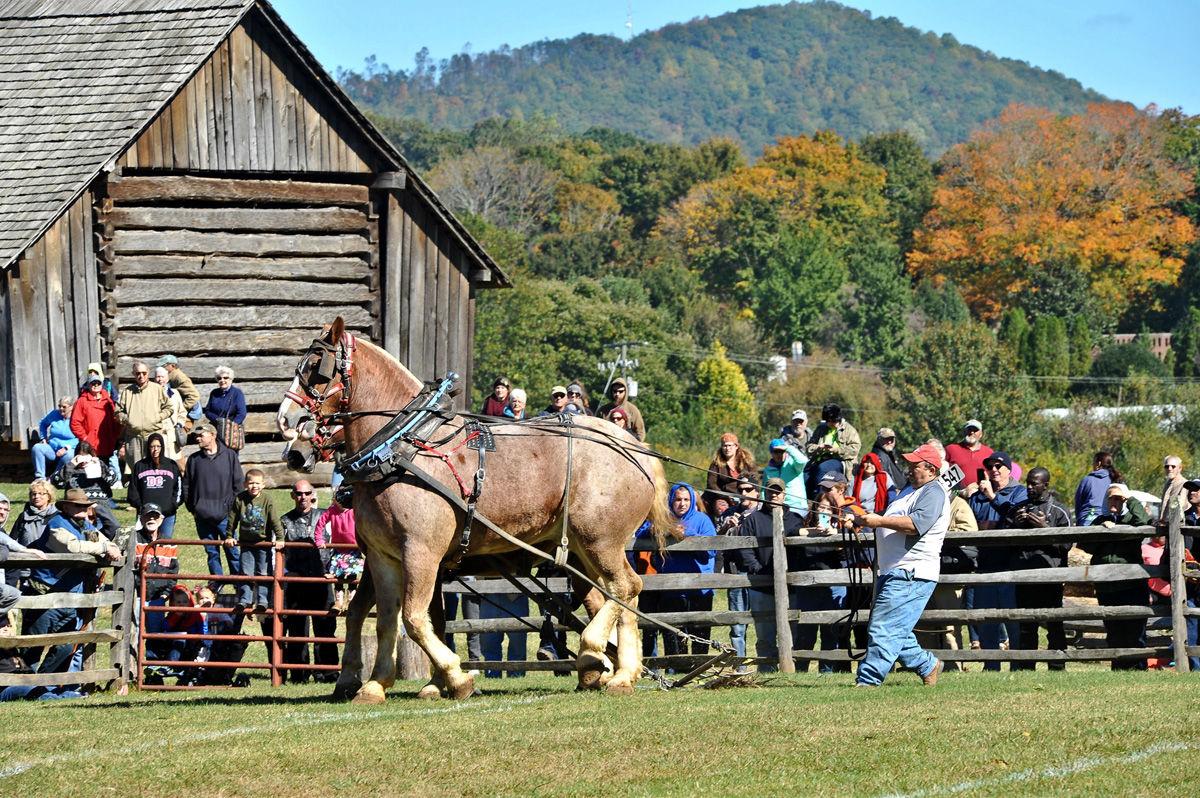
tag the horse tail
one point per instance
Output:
(661, 521)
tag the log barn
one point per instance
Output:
(182, 176)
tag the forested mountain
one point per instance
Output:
(752, 75)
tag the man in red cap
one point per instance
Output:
(908, 542)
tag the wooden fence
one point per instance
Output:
(1082, 618)
(117, 595)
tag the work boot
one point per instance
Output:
(932, 678)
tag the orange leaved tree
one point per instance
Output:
(1032, 191)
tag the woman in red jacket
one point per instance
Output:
(94, 418)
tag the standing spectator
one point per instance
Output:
(826, 516)
(758, 562)
(908, 542)
(885, 450)
(558, 401)
(1122, 509)
(618, 396)
(993, 505)
(730, 462)
(67, 531)
(787, 464)
(156, 480)
(496, 404)
(95, 478)
(1089, 495)
(183, 385)
(300, 526)
(1039, 511)
(1174, 497)
(517, 400)
(252, 521)
(508, 606)
(1192, 518)
(731, 524)
(174, 428)
(336, 527)
(97, 370)
(873, 486)
(142, 409)
(834, 444)
(969, 456)
(226, 401)
(577, 401)
(797, 433)
(9, 594)
(690, 522)
(94, 419)
(31, 523)
(212, 479)
(58, 442)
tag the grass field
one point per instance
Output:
(1080, 733)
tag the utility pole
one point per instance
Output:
(623, 362)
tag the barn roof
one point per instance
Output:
(81, 79)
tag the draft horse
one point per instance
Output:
(585, 472)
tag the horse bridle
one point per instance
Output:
(334, 359)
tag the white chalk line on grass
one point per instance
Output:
(288, 722)
(1052, 771)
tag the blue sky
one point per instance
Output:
(1144, 52)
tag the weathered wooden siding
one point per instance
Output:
(246, 284)
(253, 108)
(51, 321)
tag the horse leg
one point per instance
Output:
(350, 679)
(629, 645)
(618, 578)
(445, 666)
(386, 577)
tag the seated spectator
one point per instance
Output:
(58, 442)
(873, 486)
(173, 431)
(759, 562)
(1121, 509)
(885, 450)
(68, 531)
(158, 558)
(577, 401)
(729, 463)
(516, 404)
(497, 403)
(31, 523)
(94, 419)
(9, 594)
(618, 395)
(192, 648)
(95, 477)
(787, 464)
(157, 480)
(558, 401)
(226, 401)
(1039, 511)
(797, 432)
(690, 522)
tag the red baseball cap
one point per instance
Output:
(925, 453)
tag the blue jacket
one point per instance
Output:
(999, 510)
(226, 403)
(55, 429)
(1089, 496)
(792, 474)
(694, 523)
(61, 580)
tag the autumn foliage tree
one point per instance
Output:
(1093, 193)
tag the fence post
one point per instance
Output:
(1178, 590)
(783, 630)
(276, 647)
(124, 580)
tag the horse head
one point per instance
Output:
(320, 391)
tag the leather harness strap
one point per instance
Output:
(560, 556)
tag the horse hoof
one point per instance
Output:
(344, 691)
(594, 670)
(619, 685)
(429, 692)
(370, 693)
(462, 689)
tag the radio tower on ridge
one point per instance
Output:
(629, 20)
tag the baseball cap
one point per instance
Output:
(799, 414)
(925, 453)
(95, 379)
(4, 499)
(999, 457)
(1191, 484)
(776, 484)
(831, 478)
(886, 432)
(1117, 489)
(778, 444)
(502, 381)
(558, 389)
(574, 388)
(747, 479)
(973, 422)
(150, 508)
(204, 426)
(168, 360)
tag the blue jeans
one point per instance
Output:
(899, 601)
(114, 461)
(470, 612)
(255, 562)
(737, 632)
(991, 634)
(766, 646)
(1193, 634)
(167, 530)
(44, 456)
(215, 530)
(44, 622)
(492, 642)
(804, 636)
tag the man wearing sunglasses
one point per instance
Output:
(558, 401)
(142, 409)
(299, 527)
(1174, 498)
(885, 450)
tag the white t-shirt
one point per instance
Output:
(929, 509)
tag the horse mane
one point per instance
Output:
(394, 373)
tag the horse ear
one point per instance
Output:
(337, 330)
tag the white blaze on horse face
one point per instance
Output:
(282, 417)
